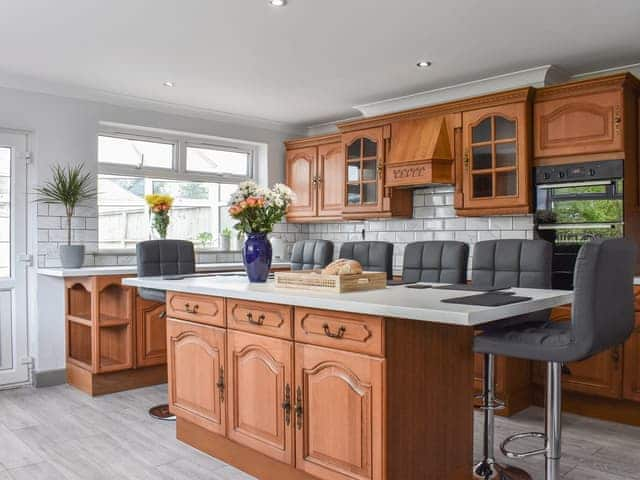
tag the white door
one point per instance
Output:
(14, 368)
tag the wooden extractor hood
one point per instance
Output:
(420, 153)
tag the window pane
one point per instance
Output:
(5, 215)
(505, 154)
(506, 184)
(209, 160)
(482, 186)
(482, 131)
(481, 157)
(199, 210)
(505, 129)
(136, 153)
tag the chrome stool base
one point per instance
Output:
(486, 471)
(161, 412)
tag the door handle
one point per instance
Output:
(286, 405)
(220, 384)
(189, 309)
(299, 408)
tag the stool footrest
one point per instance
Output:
(520, 436)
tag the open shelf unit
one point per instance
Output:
(100, 326)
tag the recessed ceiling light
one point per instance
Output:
(278, 3)
(169, 84)
(423, 64)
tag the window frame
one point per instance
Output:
(179, 171)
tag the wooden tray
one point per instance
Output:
(314, 280)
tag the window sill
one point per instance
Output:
(132, 251)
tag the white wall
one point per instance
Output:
(64, 130)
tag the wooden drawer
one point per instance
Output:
(263, 318)
(345, 331)
(196, 308)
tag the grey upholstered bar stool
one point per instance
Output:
(435, 261)
(506, 263)
(311, 254)
(163, 257)
(373, 256)
(602, 317)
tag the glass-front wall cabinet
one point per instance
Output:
(364, 157)
(495, 158)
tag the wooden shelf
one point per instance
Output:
(81, 320)
(107, 321)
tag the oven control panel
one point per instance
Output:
(579, 172)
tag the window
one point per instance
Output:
(5, 215)
(200, 177)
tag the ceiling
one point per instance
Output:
(310, 61)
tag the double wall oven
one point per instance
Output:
(576, 203)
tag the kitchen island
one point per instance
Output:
(301, 385)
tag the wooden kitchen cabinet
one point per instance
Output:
(631, 378)
(496, 176)
(580, 122)
(151, 333)
(196, 364)
(260, 397)
(365, 194)
(315, 172)
(339, 414)
(513, 383)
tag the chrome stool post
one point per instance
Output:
(553, 427)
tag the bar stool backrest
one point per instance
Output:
(373, 256)
(311, 254)
(603, 307)
(436, 261)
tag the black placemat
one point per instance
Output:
(487, 300)
(466, 287)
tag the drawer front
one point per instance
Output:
(196, 308)
(344, 331)
(262, 318)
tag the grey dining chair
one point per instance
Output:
(602, 317)
(163, 257)
(496, 264)
(373, 256)
(311, 254)
(435, 261)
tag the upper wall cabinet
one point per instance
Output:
(579, 123)
(420, 153)
(495, 177)
(365, 194)
(315, 172)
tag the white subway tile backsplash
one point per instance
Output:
(455, 223)
(501, 223)
(424, 212)
(478, 223)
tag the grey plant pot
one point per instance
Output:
(72, 256)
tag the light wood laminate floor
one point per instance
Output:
(60, 433)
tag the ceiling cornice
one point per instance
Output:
(535, 77)
(31, 84)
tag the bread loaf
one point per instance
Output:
(343, 266)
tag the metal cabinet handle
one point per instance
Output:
(188, 309)
(299, 408)
(286, 405)
(466, 160)
(258, 322)
(615, 355)
(339, 334)
(220, 384)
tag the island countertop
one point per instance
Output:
(393, 301)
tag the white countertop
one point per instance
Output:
(395, 301)
(131, 269)
(636, 280)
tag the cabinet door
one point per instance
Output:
(631, 382)
(339, 414)
(330, 180)
(196, 355)
(364, 170)
(496, 164)
(151, 333)
(260, 394)
(301, 178)
(579, 125)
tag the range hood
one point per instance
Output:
(420, 153)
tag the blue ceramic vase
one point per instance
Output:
(256, 255)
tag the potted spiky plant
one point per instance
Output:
(69, 186)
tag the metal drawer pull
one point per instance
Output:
(188, 309)
(330, 334)
(258, 322)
